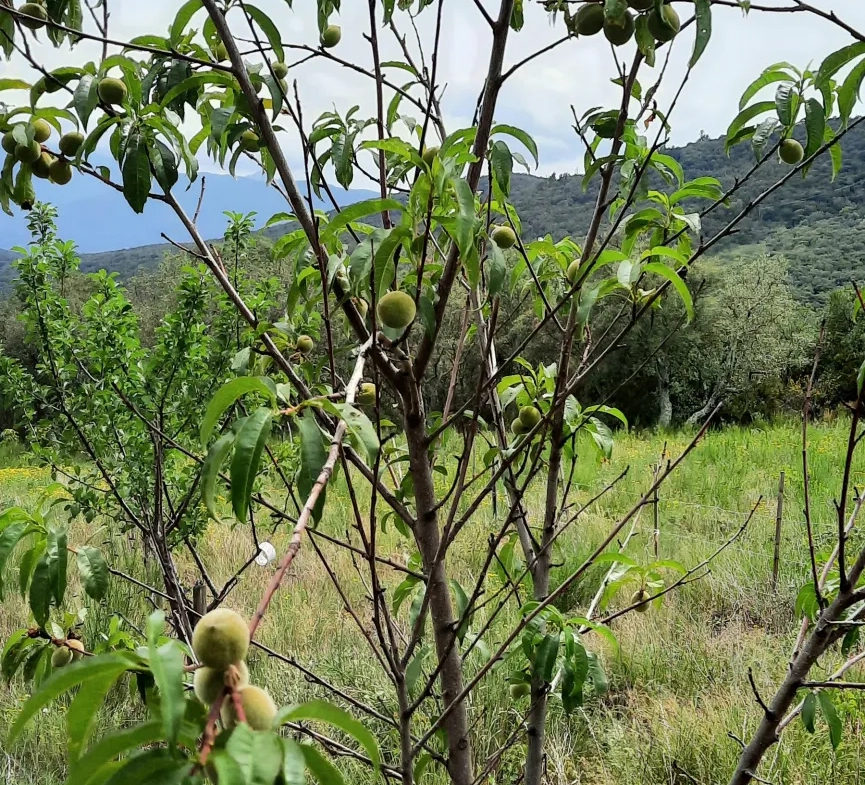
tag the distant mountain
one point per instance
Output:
(91, 214)
(819, 225)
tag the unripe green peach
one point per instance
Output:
(396, 310)
(28, 153)
(331, 36)
(429, 155)
(36, 10)
(258, 707)
(573, 271)
(112, 91)
(589, 19)
(619, 31)
(304, 344)
(517, 427)
(504, 237)
(641, 596)
(220, 52)
(71, 143)
(280, 70)
(366, 394)
(530, 416)
(60, 171)
(77, 648)
(9, 144)
(791, 152)
(665, 25)
(221, 638)
(362, 307)
(61, 657)
(41, 130)
(520, 690)
(41, 167)
(208, 683)
(249, 141)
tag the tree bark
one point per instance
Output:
(428, 538)
(665, 415)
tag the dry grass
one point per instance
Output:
(679, 687)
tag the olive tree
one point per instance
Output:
(441, 231)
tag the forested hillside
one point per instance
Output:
(819, 225)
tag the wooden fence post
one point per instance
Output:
(779, 514)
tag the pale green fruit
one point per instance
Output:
(504, 237)
(112, 91)
(258, 707)
(665, 25)
(641, 596)
(517, 427)
(249, 141)
(60, 171)
(77, 648)
(41, 130)
(366, 394)
(396, 310)
(71, 143)
(9, 144)
(530, 416)
(304, 344)
(221, 638)
(573, 271)
(331, 36)
(61, 657)
(41, 167)
(429, 155)
(791, 152)
(28, 153)
(208, 683)
(280, 70)
(619, 32)
(36, 10)
(589, 20)
(520, 690)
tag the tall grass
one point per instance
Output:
(679, 696)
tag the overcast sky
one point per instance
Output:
(539, 96)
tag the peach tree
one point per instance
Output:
(335, 381)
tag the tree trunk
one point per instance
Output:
(665, 405)
(703, 412)
(428, 538)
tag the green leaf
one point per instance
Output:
(164, 164)
(228, 394)
(848, 93)
(809, 711)
(182, 18)
(109, 747)
(313, 455)
(498, 270)
(321, 711)
(415, 669)
(786, 102)
(665, 271)
(502, 163)
(834, 151)
(210, 470)
(520, 136)
(645, 40)
(8, 540)
(41, 590)
(86, 97)
(360, 429)
(151, 767)
(93, 571)
(466, 220)
(830, 714)
(166, 664)
(293, 763)
(836, 61)
(248, 446)
(59, 558)
(269, 29)
(815, 126)
(744, 116)
(320, 767)
(703, 14)
(546, 655)
(357, 211)
(84, 709)
(14, 84)
(766, 78)
(63, 680)
(136, 172)
(259, 755)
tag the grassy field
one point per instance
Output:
(678, 692)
